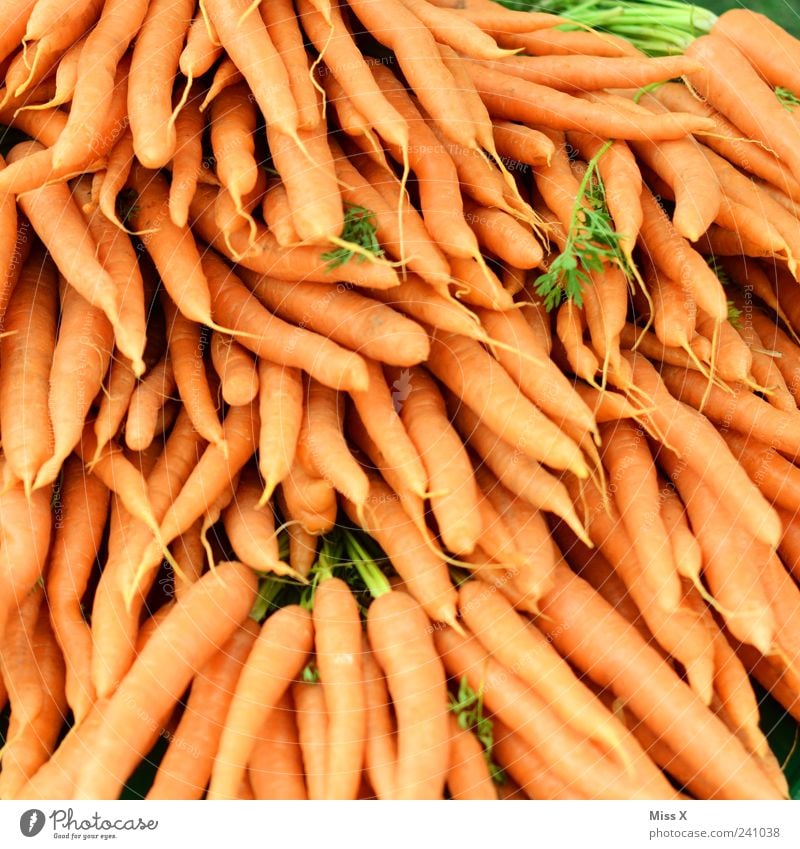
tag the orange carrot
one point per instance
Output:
(235, 368)
(276, 762)
(277, 657)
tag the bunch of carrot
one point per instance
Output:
(405, 402)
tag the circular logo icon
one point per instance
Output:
(31, 822)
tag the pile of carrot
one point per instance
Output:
(398, 400)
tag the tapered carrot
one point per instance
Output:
(571, 756)
(498, 232)
(424, 573)
(459, 363)
(115, 615)
(378, 409)
(118, 25)
(148, 398)
(302, 544)
(513, 99)
(189, 553)
(76, 545)
(490, 16)
(449, 473)
(192, 633)
(729, 83)
(272, 339)
(322, 442)
(233, 124)
(349, 318)
(153, 69)
(15, 245)
(263, 254)
(400, 636)
(277, 214)
(201, 50)
(521, 475)
(116, 253)
(276, 762)
(17, 661)
(26, 352)
(29, 745)
(380, 750)
(468, 775)
(187, 163)
(235, 368)
(310, 499)
(522, 143)
(577, 616)
(251, 531)
(277, 657)
(16, 24)
(312, 732)
(186, 766)
(172, 248)
(80, 361)
(337, 638)
(186, 350)
(58, 222)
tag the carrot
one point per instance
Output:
(728, 82)
(229, 217)
(490, 16)
(377, 408)
(190, 635)
(400, 636)
(146, 402)
(116, 174)
(17, 662)
(263, 254)
(726, 139)
(16, 17)
(576, 618)
(115, 615)
(590, 73)
(752, 32)
(235, 368)
(276, 763)
(251, 531)
(456, 31)
(173, 249)
(302, 544)
(201, 50)
(486, 388)
(119, 259)
(468, 775)
(478, 285)
(189, 553)
(269, 337)
(248, 44)
(312, 732)
(454, 495)
(59, 224)
(524, 477)
(15, 244)
(346, 63)
(26, 352)
(278, 215)
(153, 69)
(526, 768)
(337, 637)
(572, 758)
(284, 31)
(344, 316)
(549, 41)
(187, 161)
(522, 143)
(80, 361)
(186, 349)
(66, 77)
(380, 749)
(30, 745)
(633, 482)
(186, 766)
(322, 442)
(277, 657)
(501, 234)
(80, 522)
(736, 585)
(118, 25)
(512, 99)
(424, 573)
